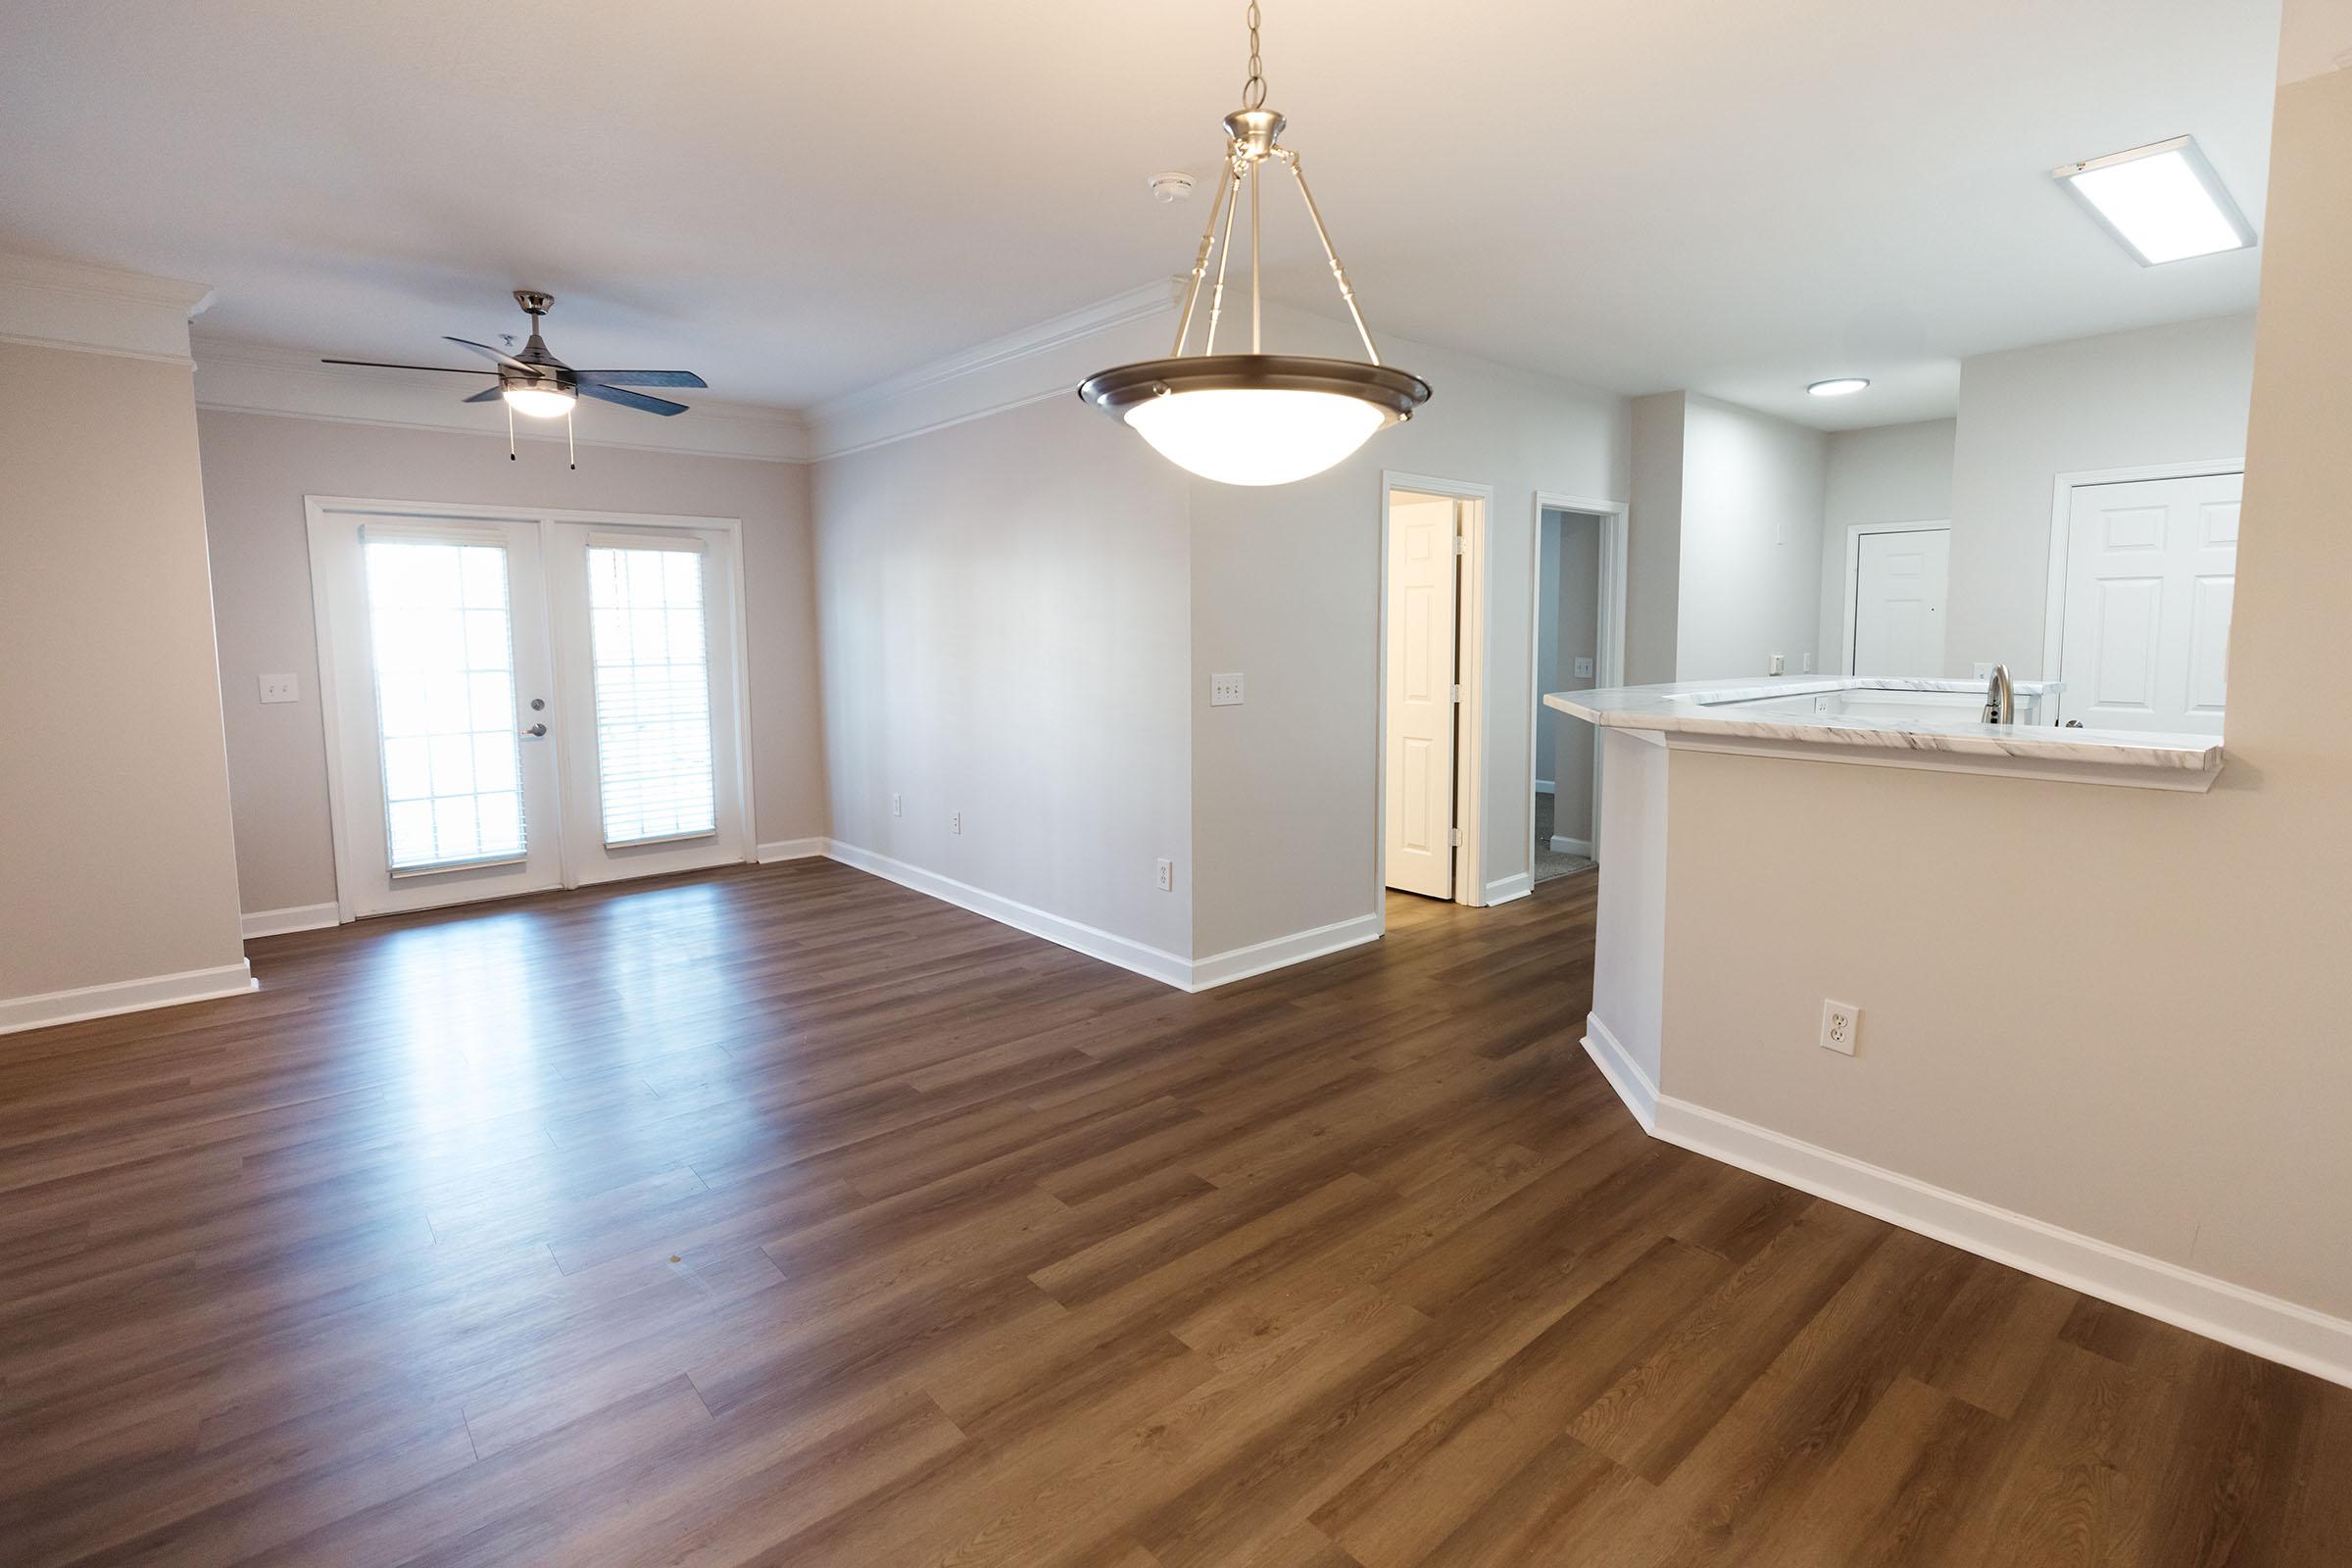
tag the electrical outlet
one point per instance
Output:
(1808, 663)
(280, 689)
(1780, 664)
(1841, 1022)
(1583, 669)
(1224, 691)
(1167, 876)
(955, 822)
(898, 804)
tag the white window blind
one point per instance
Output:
(443, 642)
(647, 642)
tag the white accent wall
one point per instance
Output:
(1886, 474)
(2163, 394)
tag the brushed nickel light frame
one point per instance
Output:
(1252, 141)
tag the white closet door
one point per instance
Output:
(644, 631)
(1900, 584)
(1421, 672)
(2151, 568)
(434, 641)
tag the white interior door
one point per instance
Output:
(1422, 611)
(2151, 567)
(1900, 584)
(435, 633)
(645, 635)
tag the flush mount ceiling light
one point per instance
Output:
(1257, 417)
(2163, 202)
(1839, 386)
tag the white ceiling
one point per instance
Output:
(798, 200)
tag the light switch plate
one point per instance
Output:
(281, 689)
(1225, 691)
(1780, 664)
(1583, 669)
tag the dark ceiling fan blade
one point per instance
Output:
(500, 354)
(631, 400)
(488, 394)
(643, 377)
(379, 364)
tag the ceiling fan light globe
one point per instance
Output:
(540, 402)
(1255, 435)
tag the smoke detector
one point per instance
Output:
(1173, 186)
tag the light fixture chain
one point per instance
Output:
(1254, 90)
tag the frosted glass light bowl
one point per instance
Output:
(1257, 419)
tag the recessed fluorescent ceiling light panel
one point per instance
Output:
(2163, 201)
(1838, 387)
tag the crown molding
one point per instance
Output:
(1047, 360)
(47, 302)
(264, 378)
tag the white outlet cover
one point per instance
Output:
(1583, 669)
(955, 822)
(1167, 876)
(897, 807)
(1225, 691)
(281, 689)
(1841, 1026)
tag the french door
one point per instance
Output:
(516, 703)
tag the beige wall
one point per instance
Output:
(1653, 572)
(1286, 589)
(115, 849)
(1887, 473)
(257, 470)
(2164, 394)
(1005, 636)
(1751, 505)
(2113, 1010)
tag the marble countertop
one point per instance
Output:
(1710, 712)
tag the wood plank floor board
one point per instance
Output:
(783, 1216)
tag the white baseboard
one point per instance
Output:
(1624, 1073)
(1166, 967)
(2264, 1325)
(293, 917)
(1561, 846)
(789, 849)
(1518, 885)
(1240, 964)
(124, 996)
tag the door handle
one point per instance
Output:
(535, 731)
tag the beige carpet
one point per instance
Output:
(1552, 863)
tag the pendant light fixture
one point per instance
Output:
(1254, 419)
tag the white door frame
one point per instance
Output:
(1470, 638)
(1853, 574)
(320, 512)
(2062, 538)
(1608, 657)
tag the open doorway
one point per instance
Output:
(1433, 536)
(1579, 617)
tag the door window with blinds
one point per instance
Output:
(518, 702)
(650, 652)
(442, 635)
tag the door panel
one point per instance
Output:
(1900, 585)
(651, 757)
(2150, 575)
(1421, 672)
(438, 634)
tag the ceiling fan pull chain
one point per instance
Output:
(570, 447)
(510, 408)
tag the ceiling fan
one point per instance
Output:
(535, 384)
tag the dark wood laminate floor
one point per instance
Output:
(785, 1217)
